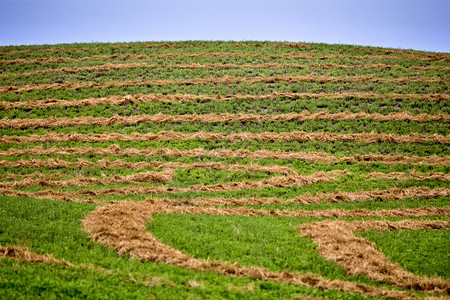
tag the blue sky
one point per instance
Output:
(406, 24)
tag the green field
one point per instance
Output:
(210, 170)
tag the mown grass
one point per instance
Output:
(423, 252)
(32, 67)
(274, 243)
(52, 227)
(337, 148)
(347, 126)
(146, 73)
(347, 184)
(235, 88)
(269, 106)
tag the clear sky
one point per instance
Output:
(406, 24)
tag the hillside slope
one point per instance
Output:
(224, 170)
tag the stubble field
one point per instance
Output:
(224, 170)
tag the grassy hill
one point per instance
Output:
(223, 170)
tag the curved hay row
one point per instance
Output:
(217, 54)
(56, 163)
(217, 118)
(122, 226)
(337, 242)
(140, 98)
(297, 136)
(214, 80)
(109, 66)
(240, 153)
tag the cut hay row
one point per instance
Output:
(217, 118)
(109, 66)
(336, 241)
(44, 181)
(298, 136)
(412, 175)
(329, 213)
(334, 197)
(165, 45)
(56, 163)
(140, 98)
(158, 177)
(214, 80)
(241, 153)
(412, 53)
(216, 55)
(274, 182)
(115, 191)
(23, 254)
(277, 181)
(127, 233)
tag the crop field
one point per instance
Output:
(211, 170)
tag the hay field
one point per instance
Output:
(224, 170)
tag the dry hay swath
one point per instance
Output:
(295, 136)
(48, 194)
(69, 85)
(330, 213)
(122, 226)
(226, 153)
(43, 180)
(22, 253)
(217, 118)
(141, 98)
(337, 242)
(277, 182)
(412, 176)
(334, 197)
(56, 163)
(109, 66)
(213, 54)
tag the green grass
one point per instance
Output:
(236, 88)
(54, 227)
(341, 127)
(338, 148)
(143, 73)
(424, 252)
(269, 106)
(49, 227)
